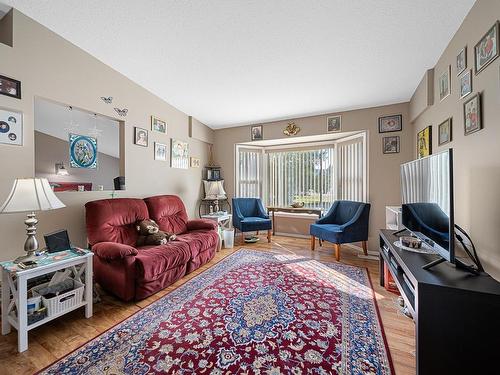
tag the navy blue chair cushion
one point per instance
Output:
(249, 215)
(345, 222)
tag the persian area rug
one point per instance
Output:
(251, 313)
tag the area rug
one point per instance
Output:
(251, 313)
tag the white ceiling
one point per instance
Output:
(242, 61)
(58, 121)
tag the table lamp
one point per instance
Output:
(30, 195)
(215, 190)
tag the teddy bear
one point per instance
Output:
(150, 234)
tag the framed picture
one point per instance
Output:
(390, 145)
(256, 133)
(160, 151)
(334, 124)
(444, 132)
(179, 157)
(444, 83)
(472, 115)
(82, 151)
(486, 50)
(11, 127)
(195, 162)
(10, 87)
(424, 142)
(462, 60)
(141, 137)
(158, 125)
(466, 84)
(387, 124)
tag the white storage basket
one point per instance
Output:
(62, 302)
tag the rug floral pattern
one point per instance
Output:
(252, 313)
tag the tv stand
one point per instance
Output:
(455, 312)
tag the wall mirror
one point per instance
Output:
(77, 150)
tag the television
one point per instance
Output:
(427, 202)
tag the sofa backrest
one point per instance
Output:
(168, 212)
(113, 220)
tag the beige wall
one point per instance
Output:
(51, 67)
(384, 186)
(477, 156)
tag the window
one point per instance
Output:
(316, 174)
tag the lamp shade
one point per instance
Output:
(31, 194)
(214, 189)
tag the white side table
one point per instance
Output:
(14, 281)
(224, 221)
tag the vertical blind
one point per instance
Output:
(301, 176)
(315, 175)
(249, 184)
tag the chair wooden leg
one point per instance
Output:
(336, 247)
(257, 233)
(365, 249)
(313, 243)
(269, 233)
(320, 242)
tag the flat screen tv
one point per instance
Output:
(427, 202)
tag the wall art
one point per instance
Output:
(82, 151)
(179, 154)
(11, 127)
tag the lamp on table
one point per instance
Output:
(30, 195)
(215, 190)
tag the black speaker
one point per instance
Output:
(57, 241)
(119, 183)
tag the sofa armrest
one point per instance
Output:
(113, 250)
(200, 224)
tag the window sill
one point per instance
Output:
(295, 215)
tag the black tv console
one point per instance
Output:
(456, 314)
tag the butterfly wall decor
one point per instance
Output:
(122, 112)
(107, 100)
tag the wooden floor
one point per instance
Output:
(59, 337)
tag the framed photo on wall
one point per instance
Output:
(472, 115)
(466, 84)
(256, 133)
(333, 124)
(195, 162)
(486, 50)
(158, 125)
(140, 137)
(10, 87)
(160, 151)
(444, 132)
(82, 151)
(462, 60)
(424, 142)
(179, 157)
(11, 127)
(388, 124)
(444, 83)
(390, 145)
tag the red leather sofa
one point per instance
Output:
(134, 273)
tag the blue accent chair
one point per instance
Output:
(249, 216)
(345, 222)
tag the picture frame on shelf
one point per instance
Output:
(10, 87)
(487, 49)
(391, 144)
(389, 124)
(461, 61)
(256, 133)
(466, 84)
(445, 132)
(141, 137)
(158, 125)
(444, 84)
(11, 127)
(334, 124)
(472, 115)
(161, 151)
(424, 142)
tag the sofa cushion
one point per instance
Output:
(169, 213)
(112, 220)
(199, 241)
(153, 261)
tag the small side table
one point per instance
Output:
(224, 221)
(14, 281)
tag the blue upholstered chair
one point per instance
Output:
(249, 216)
(345, 222)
